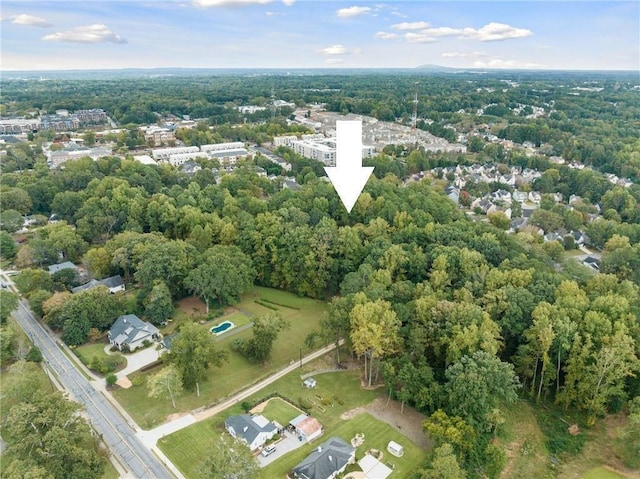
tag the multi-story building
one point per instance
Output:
(286, 140)
(163, 154)
(158, 135)
(236, 145)
(73, 151)
(17, 126)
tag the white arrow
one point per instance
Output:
(348, 176)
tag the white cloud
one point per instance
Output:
(411, 25)
(398, 14)
(31, 20)
(334, 61)
(96, 33)
(412, 37)
(490, 32)
(386, 35)
(463, 54)
(288, 3)
(334, 50)
(229, 3)
(442, 31)
(352, 11)
(500, 63)
(271, 14)
(495, 31)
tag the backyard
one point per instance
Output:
(303, 315)
(188, 447)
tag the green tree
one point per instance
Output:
(595, 375)
(7, 344)
(223, 275)
(444, 429)
(193, 351)
(169, 261)
(265, 331)
(444, 464)
(8, 248)
(375, 329)
(476, 385)
(8, 304)
(166, 384)
(32, 279)
(500, 220)
(48, 432)
(229, 461)
(11, 221)
(158, 305)
(16, 199)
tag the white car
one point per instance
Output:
(268, 450)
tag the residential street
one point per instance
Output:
(117, 434)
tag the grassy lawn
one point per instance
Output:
(238, 372)
(188, 447)
(377, 436)
(237, 318)
(110, 472)
(88, 351)
(280, 411)
(602, 473)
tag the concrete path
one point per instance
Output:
(139, 360)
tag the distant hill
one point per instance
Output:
(437, 68)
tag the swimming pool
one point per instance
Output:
(222, 327)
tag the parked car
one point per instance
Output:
(268, 450)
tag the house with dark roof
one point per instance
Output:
(254, 431)
(592, 263)
(114, 284)
(326, 461)
(131, 331)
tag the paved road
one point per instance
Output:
(116, 433)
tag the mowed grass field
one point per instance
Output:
(188, 447)
(304, 317)
(280, 411)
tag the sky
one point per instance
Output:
(93, 34)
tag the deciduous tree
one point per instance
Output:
(193, 351)
(223, 275)
(166, 384)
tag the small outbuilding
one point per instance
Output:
(310, 383)
(395, 449)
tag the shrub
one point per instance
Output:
(111, 379)
(266, 305)
(34, 355)
(137, 380)
(246, 406)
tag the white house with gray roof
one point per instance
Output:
(254, 431)
(114, 284)
(326, 461)
(132, 331)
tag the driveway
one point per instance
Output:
(138, 360)
(289, 443)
